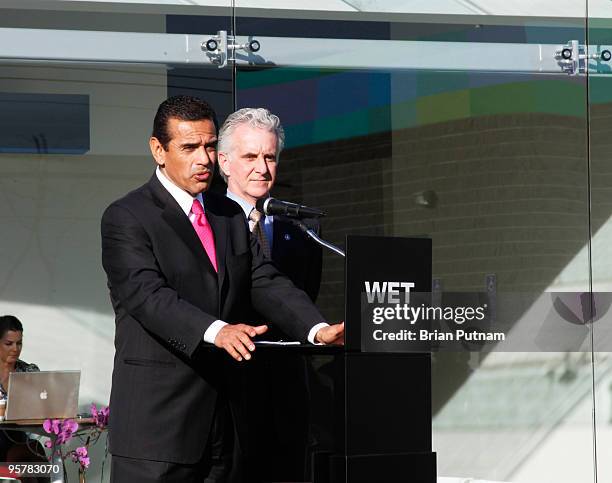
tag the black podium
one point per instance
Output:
(383, 396)
(382, 390)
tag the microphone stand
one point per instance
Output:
(310, 232)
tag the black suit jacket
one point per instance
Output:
(296, 255)
(165, 294)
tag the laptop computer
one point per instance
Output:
(42, 395)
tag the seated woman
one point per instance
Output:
(15, 446)
(11, 342)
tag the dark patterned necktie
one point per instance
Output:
(258, 220)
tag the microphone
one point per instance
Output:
(271, 207)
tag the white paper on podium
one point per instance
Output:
(277, 342)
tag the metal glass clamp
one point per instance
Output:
(221, 48)
(573, 57)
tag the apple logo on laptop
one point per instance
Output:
(43, 394)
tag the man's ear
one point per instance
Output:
(157, 150)
(224, 163)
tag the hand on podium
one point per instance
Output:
(236, 339)
(332, 334)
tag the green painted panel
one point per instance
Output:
(600, 89)
(279, 75)
(443, 107)
(555, 97)
(342, 127)
(404, 114)
(299, 135)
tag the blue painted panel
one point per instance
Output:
(44, 123)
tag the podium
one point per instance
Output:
(382, 392)
(383, 396)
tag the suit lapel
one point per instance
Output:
(278, 233)
(220, 230)
(281, 234)
(175, 217)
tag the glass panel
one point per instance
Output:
(77, 115)
(457, 121)
(600, 102)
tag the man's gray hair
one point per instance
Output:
(256, 117)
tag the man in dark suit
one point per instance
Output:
(250, 142)
(250, 180)
(297, 255)
(183, 270)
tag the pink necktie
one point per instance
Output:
(202, 228)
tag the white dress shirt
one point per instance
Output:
(269, 233)
(185, 201)
(247, 207)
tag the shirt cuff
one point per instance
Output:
(213, 329)
(313, 332)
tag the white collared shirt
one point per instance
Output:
(247, 208)
(185, 201)
(269, 232)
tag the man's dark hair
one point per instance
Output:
(183, 108)
(9, 322)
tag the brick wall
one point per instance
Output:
(507, 195)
